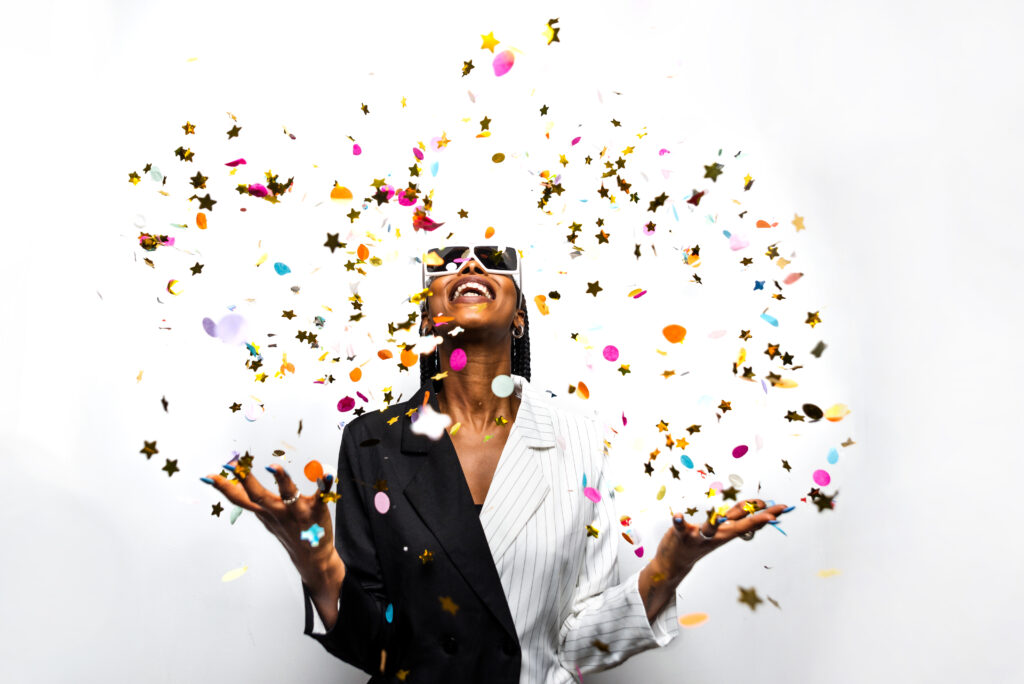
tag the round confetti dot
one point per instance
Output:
(498, 158)
(357, 150)
(381, 502)
(389, 613)
(686, 461)
(281, 268)
(576, 140)
(813, 412)
(313, 471)
(503, 61)
(257, 190)
(583, 391)
(201, 220)
(363, 252)
(737, 243)
(639, 551)
(674, 333)
(833, 456)
(232, 575)
(489, 233)
(346, 404)
(821, 478)
(355, 374)
(503, 386)
(693, 619)
(409, 358)
(253, 410)
(717, 486)
(836, 412)
(739, 451)
(210, 327)
(611, 353)
(457, 361)
(592, 494)
(340, 193)
(661, 493)
(771, 319)
(736, 481)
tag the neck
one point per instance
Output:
(466, 395)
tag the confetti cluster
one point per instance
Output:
(610, 215)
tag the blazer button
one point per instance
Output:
(509, 647)
(450, 644)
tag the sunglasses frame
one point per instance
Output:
(517, 274)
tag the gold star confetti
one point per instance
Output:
(489, 41)
(447, 605)
(812, 319)
(798, 221)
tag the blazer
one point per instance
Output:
(521, 593)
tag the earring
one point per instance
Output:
(521, 330)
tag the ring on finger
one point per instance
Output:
(704, 536)
(747, 536)
(292, 499)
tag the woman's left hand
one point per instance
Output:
(685, 543)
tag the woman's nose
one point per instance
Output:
(471, 266)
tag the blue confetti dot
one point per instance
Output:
(433, 169)
(685, 460)
(833, 455)
(771, 319)
(281, 268)
(726, 233)
(584, 479)
(389, 614)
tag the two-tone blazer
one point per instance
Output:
(521, 593)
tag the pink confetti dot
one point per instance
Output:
(346, 404)
(662, 152)
(576, 140)
(257, 190)
(592, 494)
(639, 551)
(357, 150)
(610, 353)
(739, 451)
(503, 61)
(821, 478)
(457, 361)
(381, 502)
(418, 153)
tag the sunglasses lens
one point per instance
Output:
(498, 259)
(447, 259)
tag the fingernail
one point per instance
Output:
(789, 509)
(230, 467)
(206, 480)
(773, 522)
(329, 479)
(678, 518)
(271, 470)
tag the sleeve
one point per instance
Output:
(363, 629)
(608, 623)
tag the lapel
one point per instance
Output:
(437, 490)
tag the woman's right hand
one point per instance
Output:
(317, 563)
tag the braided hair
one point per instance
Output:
(431, 365)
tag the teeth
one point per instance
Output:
(476, 288)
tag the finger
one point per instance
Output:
(739, 511)
(258, 494)
(285, 485)
(234, 493)
(751, 523)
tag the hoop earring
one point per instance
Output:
(521, 330)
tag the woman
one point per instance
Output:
(418, 586)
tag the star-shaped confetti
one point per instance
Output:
(217, 509)
(448, 605)
(713, 171)
(593, 288)
(171, 467)
(149, 448)
(490, 42)
(812, 319)
(313, 534)
(749, 597)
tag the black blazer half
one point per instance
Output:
(425, 563)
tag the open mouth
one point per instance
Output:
(472, 290)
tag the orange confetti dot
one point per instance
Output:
(362, 252)
(489, 232)
(313, 471)
(409, 358)
(542, 304)
(385, 354)
(339, 192)
(355, 375)
(583, 391)
(201, 220)
(674, 333)
(498, 158)
(693, 619)
(443, 319)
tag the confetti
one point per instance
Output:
(313, 471)
(502, 386)
(503, 61)
(232, 575)
(457, 360)
(821, 478)
(693, 619)
(740, 451)
(347, 403)
(610, 353)
(592, 494)
(381, 502)
(674, 333)
(429, 423)
(312, 535)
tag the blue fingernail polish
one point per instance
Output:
(272, 471)
(773, 522)
(206, 480)
(329, 479)
(230, 467)
(789, 509)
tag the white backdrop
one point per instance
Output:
(890, 127)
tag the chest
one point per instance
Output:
(479, 459)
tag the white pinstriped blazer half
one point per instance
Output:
(571, 612)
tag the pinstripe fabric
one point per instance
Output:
(563, 589)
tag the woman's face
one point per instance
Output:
(480, 303)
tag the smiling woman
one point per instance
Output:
(420, 587)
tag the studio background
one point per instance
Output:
(891, 127)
